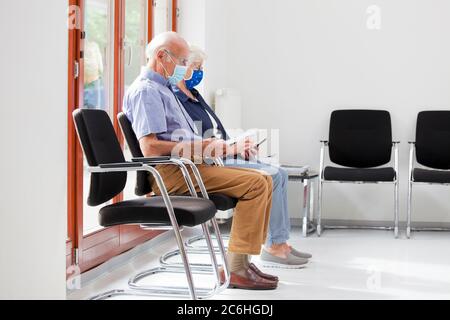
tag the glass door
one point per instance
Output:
(98, 80)
(106, 53)
(163, 14)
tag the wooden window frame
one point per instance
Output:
(89, 251)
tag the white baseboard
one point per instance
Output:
(297, 222)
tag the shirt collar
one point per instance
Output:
(147, 73)
(183, 97)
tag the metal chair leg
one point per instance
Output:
(212, 255)
(162, 291)
(190, 291)
(218, 162)
(180, 291)
(157, 291)
(408, 213)
(205, 195)
(214, 267)
(201, 293)
(214, 223)
(210, 269)
(306, 206)
(190, 242)
(396, 189)
(396, 211)
(319, 209)
(312, 208)
(164, 260)
(321, 179)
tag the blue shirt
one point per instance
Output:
(201, 113)
(152, 108)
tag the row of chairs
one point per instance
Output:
(360, 143)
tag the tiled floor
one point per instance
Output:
(347, 264)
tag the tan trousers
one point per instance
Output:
(252, 188)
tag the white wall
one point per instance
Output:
(296, 61)
(192, 20)
(33, 131)
(192, 24)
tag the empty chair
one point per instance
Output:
(108, 178)
(360, 143)
(431, 150)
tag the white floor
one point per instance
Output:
(347, 264)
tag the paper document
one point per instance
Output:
(247, 134)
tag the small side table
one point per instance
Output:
(308, 178)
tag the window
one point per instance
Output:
(98, 82)
(106, 52)
(163, 16)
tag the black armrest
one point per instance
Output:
(152, 159)
(121, 165)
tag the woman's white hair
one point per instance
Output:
(197, 55)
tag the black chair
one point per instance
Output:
(360, 142)
(108, 179)
(221, 201)
(431, 150)
(143, 188)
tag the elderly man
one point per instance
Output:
(160, 122)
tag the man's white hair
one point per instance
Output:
(197, 55)
(161, 41)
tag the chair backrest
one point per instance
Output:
(143, 186)
(101, 146)
(433, 139)
(360, 138)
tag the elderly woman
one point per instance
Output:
(277, 251)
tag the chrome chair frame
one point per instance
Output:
(198, 268)
(322, 181)
(190, 242)
(411, 182)
(216, 161)
(191, 291)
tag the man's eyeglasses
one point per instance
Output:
(183, 61)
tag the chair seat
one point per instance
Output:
(189, 211)
(431, 176)
(222, 201)
(359, 175)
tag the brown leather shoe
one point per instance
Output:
(262, 274)
(251, 281)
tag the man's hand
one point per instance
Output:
(215, 148)
(248, 150)
(218, 148)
